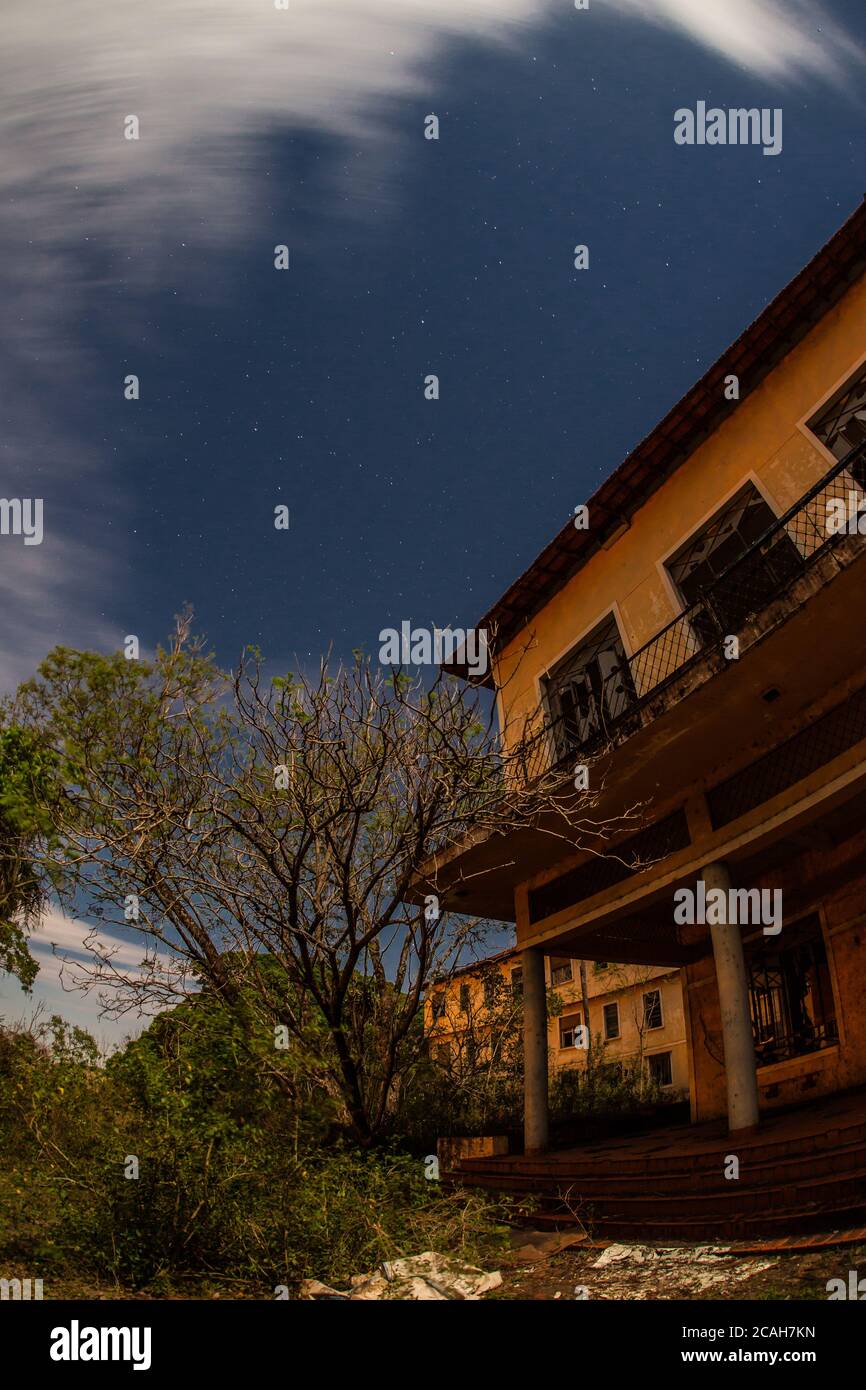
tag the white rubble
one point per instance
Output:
(428, 1277)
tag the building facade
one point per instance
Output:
(635, 1017)
(696, 642)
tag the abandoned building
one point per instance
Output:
(633, 1017)
(702, 643)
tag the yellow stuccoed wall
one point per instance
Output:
(842, 910)
(623, 985)
(761, 439)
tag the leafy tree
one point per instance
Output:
(27, 789)
(181, 1158)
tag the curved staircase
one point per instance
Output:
(802, 1171)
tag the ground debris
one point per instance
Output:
(541, 1245)
(428, 1277)
(636, 1271)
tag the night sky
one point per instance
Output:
(408, 257)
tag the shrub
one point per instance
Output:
(234, 1183)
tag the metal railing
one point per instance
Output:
(757, 578)
(776, 1045)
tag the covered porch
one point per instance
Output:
(802, 1171)
(650, 940)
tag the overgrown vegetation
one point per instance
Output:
(27, 789)
(275, 847)
(447, 1100)
(242, 1180)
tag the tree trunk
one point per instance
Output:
(584, 996)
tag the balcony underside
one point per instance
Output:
(807, 650)
(634, 925)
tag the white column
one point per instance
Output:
(739, 1045)
(535, 1114)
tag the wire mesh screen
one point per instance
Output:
(790, 762)
(647, 847)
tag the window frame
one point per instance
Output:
(563, 961)
(855, 369)
(775, 561)
(759, 946)
(545, 680)
(575, 1018)
(678, 605)
(653, 1027)
(653, 1057)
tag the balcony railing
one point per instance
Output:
(761, 575)
(774, 1045)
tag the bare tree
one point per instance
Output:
(271, 840)
(630, 979)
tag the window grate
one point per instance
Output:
(841, 425)
(791, 995)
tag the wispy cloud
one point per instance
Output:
(35, 585)
(785, 40)
(67, 949)
(60, 939)
(83, 208)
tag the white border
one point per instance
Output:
(574, 642)
(661, 563)
(803, 427)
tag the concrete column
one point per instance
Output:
(739, 1046)
(535, 1116)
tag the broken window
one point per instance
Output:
(841, 424)
(438, 1003)
(560, 970)
(464, 998)
(568, 1026)
(723, 576)
(590, 690)
(517, 982)
(659, 1066)
(790, 994)
(652, 1009)
(611, 1020)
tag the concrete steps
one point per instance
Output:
(806, 1172)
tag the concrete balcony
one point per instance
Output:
(716, 753)
(778, 573)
